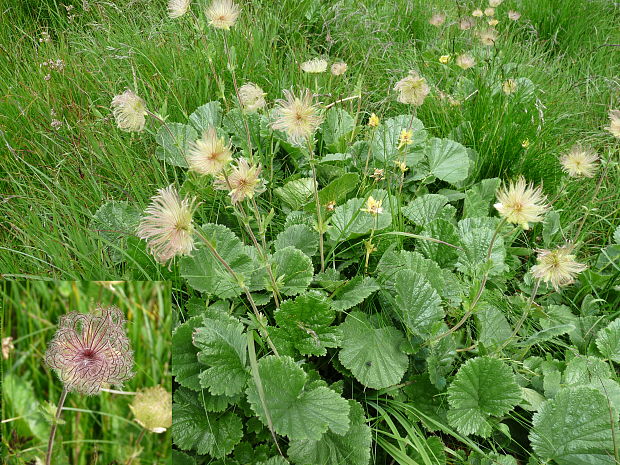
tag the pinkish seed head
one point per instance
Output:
(89, 351)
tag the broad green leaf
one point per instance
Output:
(484, 387)
(617, 235)
(173, 140)
(354, 292)
(215, 434)
(419, 304)
(337, 126)
(493, 328)
(372, 354)
(205, 273)
(181, 458)
(234, 123)
(574, 428)
(223, 350)
(552, 228)
(476, 235)
(292, 270)
(336, 191)
(307, 323)
(608, 341)
(384, 145)
(442, 254)
(424, 209)
(185, 365)
(299, 236)
(447, 160)
(115, 221)
(478, 198)
(296, 412)
(352, 448)
(349, 221)
(206, 116)
(584, 370)
(392, 262)
(440, 357)
(296, 193)
(20, 401)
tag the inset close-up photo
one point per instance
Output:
(86, 372)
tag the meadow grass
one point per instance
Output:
(53, 180)
(96, 429)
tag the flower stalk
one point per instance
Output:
(50, 444)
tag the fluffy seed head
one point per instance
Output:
(489, 12)
(488, 37)
(339, 68)
(580, 161)
(129, 111)
(251, 97)
(152, 408)
(495, 3)
(465, 61)
(466, 23)
(297, 116)
(209, 154)
(477, 13)
(373, 121)
(316, 65)
(509, 86)
(557, 267)
(167, 226)
(520, 203)
(514, 15)
(91, 350)
(223, 14)
(177, 8)
(437, 19)
(412, 89)
(614, 123)
(242, 182)
(373, 206)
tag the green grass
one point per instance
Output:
(97, 429)
(54, 180)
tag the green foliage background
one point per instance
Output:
(102, 429)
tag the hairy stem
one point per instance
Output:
(319, 219)
(50, 444)
(136, 445)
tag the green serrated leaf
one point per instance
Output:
(372, 354)
(476, 235)
(173, 140)
(574, 428)
(483, 387)
(296, 193)
(447, 160)
(442, 254)
(206, 274)
(478, 198)
(185, 365)
(206, 116)
(352, 448)
(493, 328)
(22, 402)
(424, 209)
(223, 350)
(608, 341)
(292, 269)
(354, 292)
(215, 434)
(419, 304)
(337, 126)
(306, 322)
(300, 236)
(296, 412)
(384, 145)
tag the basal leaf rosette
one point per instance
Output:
(483, 388)
(296, 411)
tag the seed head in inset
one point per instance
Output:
(90, 351)
(152, 408)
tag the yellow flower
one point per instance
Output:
(465, 61)
(152, 408)
(489, 12)
(251, 97)
(373, 206)
(488, 37)
(378, 174)
(520, 203)
(557, 267)
(339, 68)
(614, 123)
(401, 165)
(445, 59)
(209, 154)
(580, 162)
(222, 14)
(406, 138)
(316, 65)
(412, 89)
(297, 116)
(477, 13)
(493, 22)
(373, 121)
(509, 86)
(129, 111)
(437, 19)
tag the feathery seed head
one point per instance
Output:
(465, 61)
(167, 226)
(412, 89)
(177, 8)
(129, 111)
(437, 19)
(489, 11)
(297, 116)
(614, 123)
(251, 97)
(316, 65)
(520, 203)
(557, 267)
(339, 68)
(514, 15)
(243, 181)
(477, 13)
(466, 23)
(488, 37)
(152, 408)
(223, 14)
(580, 161)
(209, 154)
(91, 350)
(495, 3)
